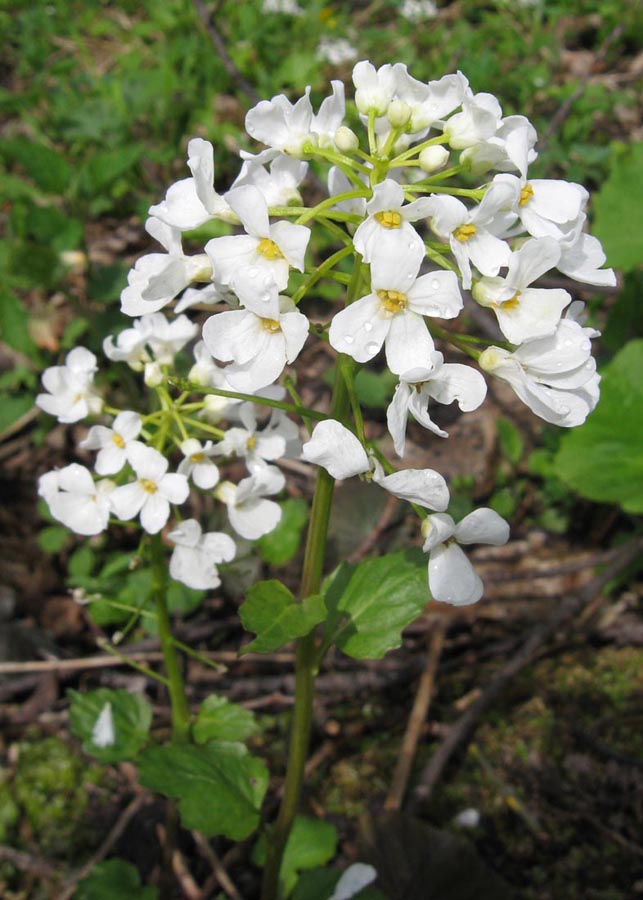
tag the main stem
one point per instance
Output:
(180, 710)
(306, 664)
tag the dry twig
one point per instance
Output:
(207, 20)
(218, 869)
(417, 717)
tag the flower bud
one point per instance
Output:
(346, 140)
(153, 374)
(433, 158)
(398, 113)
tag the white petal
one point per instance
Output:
(422, 486)
(396, 416)
(482, 526)
(186, 533)
(174, 487)
(452, 578)
(408, 343)
(254, 519)
(360, 329)
(127, 500)
(103, 734)
(292, 240)
(146, 461)
(155, 513)
(337, 449)
(436, 529)
(436, 294)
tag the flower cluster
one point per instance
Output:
(422, 245)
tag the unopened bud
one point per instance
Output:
(153, 374)
(346, 140)
(433, 158)
(398, 113)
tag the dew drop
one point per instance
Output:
(564, 410)
(265, 297)
(348, 339)
(368, 326)
(372, 348)
(253, 272)
(585, 345)
(435, 285)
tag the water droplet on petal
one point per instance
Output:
(265, 297)
(348, 339)
(372, 348)
(253, 272)
(368, 326)
(564, 410)
(435, 285)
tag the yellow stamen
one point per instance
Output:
(118, 440)
(388, 218)
(512, 303)
(393, 301)
(463, 232)
(251, 443)
(197, 457)
(271, 325)
(269, 249)
(148, 485)
(525, 195)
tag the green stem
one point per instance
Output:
(306, 665)
(180, 710)
(251, 398)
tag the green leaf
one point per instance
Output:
(12, 409)
(220, 720)
(271, 611)
(603, 460)
(132, 717)
(319, 884)
(219, 787)
(14, 322)
(114, 879)
(48, 168)
(53, 538)
(617, 208)
(279, 546)
(370, 604)
(311, 843)
(510, 440)
(375, 389)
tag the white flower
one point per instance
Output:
(555, 375)
(510, 148)
(525, 313)
(286, 127)
(472, 234)
(198, 463)
(582, 257)
(338, 183)
(71, 395)
(259, 339)
(452, 578)
(196, 555)
(193, 201)
(437, 380)
(285, 7)
(165, 339)
(374, 88)
(335, 51)
(272, 248)
(337, 449)
(103, 733)
(479, 120)
(152, 492)
(429, 102)
(387, 227)
(111, 443)
(259, 447)
(158, 278)
(392, 314)
(418, 10)
(76, 500)
(250, 514)
(280, 185)
(548, 207)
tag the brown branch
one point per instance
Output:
(37, 865)
(207, 20)
(218, 870)
(417, 718)
(463, 729)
